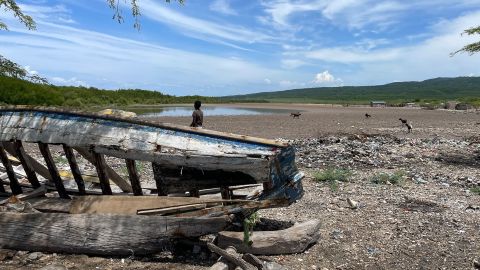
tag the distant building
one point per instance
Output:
(411, 105)
(378, 103)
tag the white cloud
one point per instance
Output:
(50, 13)
(426, 59)
(30, 71)
(324, 77)
(371, 15)
(108, 61)
(350, 55)
(267, 81)
(69, 82)
(200, 28)
(291, 84)
(292, 63)
(279, 11)
(222, 6)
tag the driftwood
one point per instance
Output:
(231, 256)
(292, 240)
(230, 259)
(118, 235)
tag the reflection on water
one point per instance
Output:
(207, 111)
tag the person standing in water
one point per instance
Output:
(197, 115)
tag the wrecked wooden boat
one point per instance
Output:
(188, 162)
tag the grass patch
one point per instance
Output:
(475, 190)
(396, 178)
(138, 164)
(60, 160)
(333, 176)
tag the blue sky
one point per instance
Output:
(224, 47)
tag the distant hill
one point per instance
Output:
(433, 90)
(16, 91)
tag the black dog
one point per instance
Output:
(295, 115)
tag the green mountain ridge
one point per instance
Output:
(20, 92)
(465, 89)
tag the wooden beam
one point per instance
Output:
(14, 184)
(134, 179)
(27, 167)
(77, 175)
(112, 175)
(39, 168)
(53, 170)
(100, 165)
(112, 235)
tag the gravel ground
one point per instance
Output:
(428, 220)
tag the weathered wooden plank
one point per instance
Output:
(77, 175)
(52, 168)
(112, 175)
(133, 175)
(140, 141)
(120, 235)
(51, 205)
(292, 240)
(258, 168)
(39, 112)
(172, 210)
(27, 167)
(101, 167)
(129, 204)
(14, 185)
(39, 168)
(39, 192)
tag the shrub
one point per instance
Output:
(333, 176)
(475, 190)
(395, 178)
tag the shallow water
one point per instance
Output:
(207, 111)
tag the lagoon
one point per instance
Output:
(207, 111)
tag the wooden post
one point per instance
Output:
(53, 170)
(100, 165)
(159, 181)
(226, 193)
(77, 175)
(29, 171)
(39, 168)
(112, 174)
(14, 185)
(195, 193)
(134, 179)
